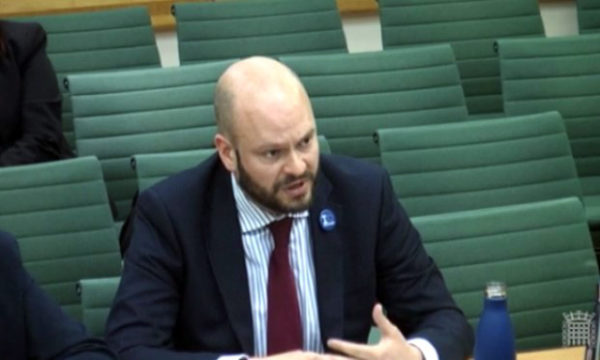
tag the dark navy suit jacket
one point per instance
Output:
(32, 326)
(184, 291)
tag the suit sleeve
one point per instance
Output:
(50, 333)
(142, 320)
(40, 114)
(411, 287)
(53, 335)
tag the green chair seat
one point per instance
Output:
(236, 29)
(471, 27)
(479, 164)
(121, 114)
(96, 41)
(60, 214)
(561, 74)
(354, 94)
(542, 251)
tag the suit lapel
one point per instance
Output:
(328, 261)
(226, 253)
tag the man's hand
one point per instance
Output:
(391, 346)
(302, 355)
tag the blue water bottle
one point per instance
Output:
(494, 339)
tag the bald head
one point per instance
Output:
(253, 82)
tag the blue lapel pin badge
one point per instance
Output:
(327, 220)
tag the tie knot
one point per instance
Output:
(280, 230)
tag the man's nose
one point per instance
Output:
(295, 164)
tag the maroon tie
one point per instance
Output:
(284, 329)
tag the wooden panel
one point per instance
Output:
(575, 353)
(354, 6)
(160, 10)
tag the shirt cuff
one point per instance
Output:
(428, 351)
(236, 357)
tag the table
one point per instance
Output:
(570, 353)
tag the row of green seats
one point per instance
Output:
(121, 114)
(149, 111)
(123, 39)
(471, 27)
(60, 215)
(560, 74)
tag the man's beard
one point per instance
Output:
(268, 199)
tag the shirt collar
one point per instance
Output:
(253, 217)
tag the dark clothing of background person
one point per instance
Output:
(30, 102)
(32, 326)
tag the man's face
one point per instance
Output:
(276, 152)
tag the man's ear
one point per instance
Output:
(226, 152)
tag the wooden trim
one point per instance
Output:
(160, 10)
(357, 6)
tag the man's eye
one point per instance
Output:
(272, 154)
(305, 142)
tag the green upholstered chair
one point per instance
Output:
(588, 14)
(471, 27)
(97, 296)
(60, 214)
(479, 164)
(560, 74)
(97, 41)
(324, 147)
(354, 94)
(541, 250)
(152, 168)
(236, 29)
(120, 114)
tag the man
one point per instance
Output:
(32, 326)
(268, 249)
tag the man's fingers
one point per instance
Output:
(357, 351)
(381, 321)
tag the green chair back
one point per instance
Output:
(120, 114)
(236, 29)
(97, 41)
(542, 251)
(97, 296)
(355, 94)
(324, 147)
(60, 214)
(152, 168)
(479, 164)
(560, 74)
(471, 27)
(588, 14)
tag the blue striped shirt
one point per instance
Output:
(258, 245)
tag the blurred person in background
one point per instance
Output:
(30, 102)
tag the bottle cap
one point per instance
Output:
(495, 290)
